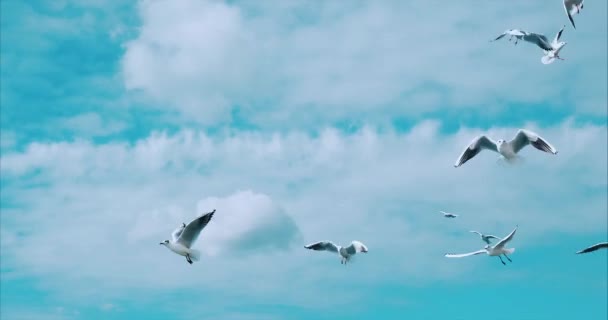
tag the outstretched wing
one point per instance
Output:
(504, 241)
(594, 247)
(462, 255)
(322, 246)
(480, 143)
(570, 6)
(500, 36)
(193, 229)
(177, 232)
(355, 247)
(525, 137)
(557, 36)
(539, 40)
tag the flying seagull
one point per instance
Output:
(594, 247)
(345, 253)
(507, 149)
(485, 237)
(183, 237)
(512, 33)
(551, 49)
(573, 7)
(495, 251)
(448, 215)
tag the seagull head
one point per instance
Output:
(166, 242)
(500, 141)
(487, 247)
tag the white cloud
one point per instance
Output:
(98, 212)
(91, 125)
(304, 61)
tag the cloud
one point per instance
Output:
(97, 212)
(245, 222)
(302, 62)
(91, 125)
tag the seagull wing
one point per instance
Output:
(322, 246)
(489, 236)
(504, 241)
(479, 233)
(475, 147)
(570, 6)
(356, 246)
(177, 232)
(462, 255)
(594, 247)
(501, 36)
(539, 40)
(525, 137)
(193, 229)
(557, 36)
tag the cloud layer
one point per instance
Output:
(302, 62)
(106, 207)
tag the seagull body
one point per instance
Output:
(512, 33)
(507, 149)
(345, 253)
(495, 251)
(183, 237)
(551, 49)
(594, 247)
(485, 237)
(449, 215)
(573, 7)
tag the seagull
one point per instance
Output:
(573, 7)
(183, 237)
(485, 237)
(594, 247)
(448, 215)
(551, 49)
(507, 149)
(518, 34)
(345, 253)
(495, 251)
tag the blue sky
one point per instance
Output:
(298, 121)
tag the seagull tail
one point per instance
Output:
(195, 255)
(510, 250)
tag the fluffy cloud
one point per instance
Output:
(303, 62)
(82, 211)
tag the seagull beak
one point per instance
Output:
(161, 243)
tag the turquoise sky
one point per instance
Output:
(298, 121)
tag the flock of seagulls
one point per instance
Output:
(551, 49)
(185, 235)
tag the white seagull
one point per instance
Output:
(495, 251)
(183, 237)
(449, 215)
(594, 247)
(485, 237)
(512, 33)
(345, 253)
(573, 7)
(551, 49)
(507, 149)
